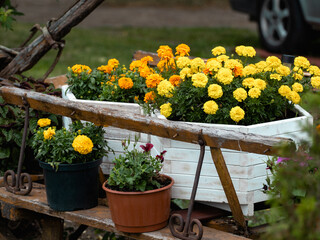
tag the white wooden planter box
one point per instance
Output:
(113, 135)
(247, 170)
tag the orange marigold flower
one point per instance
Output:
(78, 68)
(182, 50)
(125, 83)
(145, 71)
(146, 59)
(113, 63)
(135, 64)
(165, 52)
(149, 97)
(105, 68)
(237, 71)
(318, 128)
(136, 98)
(175, 80)
(153, 80)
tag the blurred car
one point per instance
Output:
(284, 25)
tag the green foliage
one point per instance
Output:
(59, 147)
(295, 189)
(7, 11)
(12, 123)
(136, 170)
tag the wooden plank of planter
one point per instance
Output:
(176, 130)
(98, 217)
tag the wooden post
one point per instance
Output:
(228, 187)
(52, 228)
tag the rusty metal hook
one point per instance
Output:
(185, 229)
(17, 184)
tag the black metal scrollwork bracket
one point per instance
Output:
(20, 183)
(185, 230)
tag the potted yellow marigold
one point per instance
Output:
(70, 160)
(230, 92)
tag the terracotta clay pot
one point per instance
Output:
(137, 212)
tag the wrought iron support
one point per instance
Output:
(21, 183)
(185, 229)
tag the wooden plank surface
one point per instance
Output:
(176, 130)
(98, 217)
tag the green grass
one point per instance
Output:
(94, 46)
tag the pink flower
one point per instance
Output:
(147, 147)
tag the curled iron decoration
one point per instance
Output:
(185, 229)
(20, 183)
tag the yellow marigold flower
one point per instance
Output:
(49, 133)
(199, 80)
(249, 70)
(78, 68)
(284, 91)
(254, 92)
(213, 65)
(183, 62)
(283, 70)
(210, 107)
(185, 72)
(165, 52)
(232, 63)
(275, 76)
(43, 122)
(146, 59)
(248, 82)
(225, 76)
(125, 83)
(82, 144)
(166, 110)
(215, 91)
(314, 70)
(240, 94)
(259, 83)
(246, 51)
(218, 51)
(135, 64)
(301, 62)
(182, 50)
(237, 114)
(294, 97)
(297, 87)
(153, 80)
(261, 66)
(315, 82)
(165, 88)
(175, 80)
(197, 65)
(298, 76)
(273, 62)
(222, 58)
(145, 71)
(239, 50)
(149, 97)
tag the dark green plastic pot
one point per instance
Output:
(72, 186)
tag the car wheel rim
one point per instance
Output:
(275, 21)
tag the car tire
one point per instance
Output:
(282, 27)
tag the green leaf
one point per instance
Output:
(4, 111)
(4, 152)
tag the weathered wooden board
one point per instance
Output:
(98, 217)
(160, 127)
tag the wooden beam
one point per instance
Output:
(228, 187)
(176, 130)
(31, 54)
